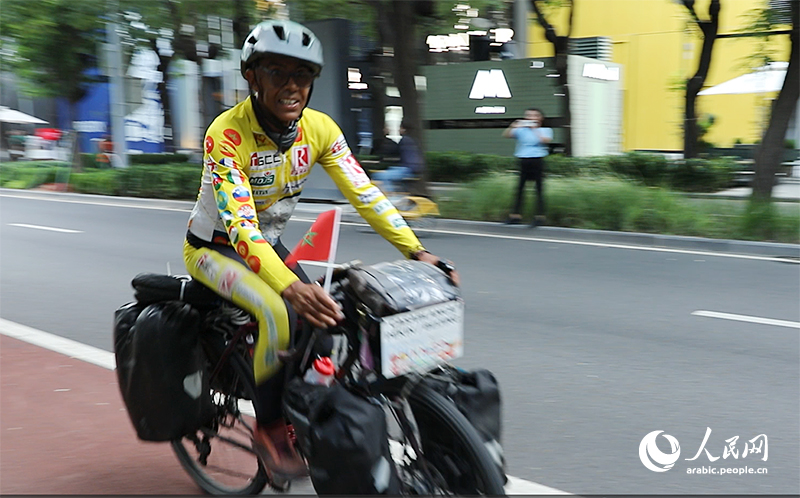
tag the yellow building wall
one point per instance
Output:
(658, 45)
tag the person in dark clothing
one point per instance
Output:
(411, 162)
(531, 150)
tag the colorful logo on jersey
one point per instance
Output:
(261, 139)
(397, 221)
(227, 149)
(233, 136)
(209, 145)
(241, 194)
(227, 162)
(263, 181)
(235, 177)
(222, 200)
(241, 249)
(247, 225)
(353, 170)
(382, 206)
(216, 180)
(265, 158)
(247, 212)
(370, 195)
(254, 263)
(299, 135)
(227, 217)
(339, 145)
(233, 233)
(300, 160)
(257, 238)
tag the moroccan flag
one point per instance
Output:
(319, 243)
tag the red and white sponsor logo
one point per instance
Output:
(233, 136)
(353, 170)
(226, 282)
(300, 160)
(209, 145)
(339, 145)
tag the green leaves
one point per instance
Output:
(55, 43)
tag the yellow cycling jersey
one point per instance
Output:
(249, 190)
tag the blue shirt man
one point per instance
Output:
(532, 147)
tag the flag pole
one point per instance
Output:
(334, 244)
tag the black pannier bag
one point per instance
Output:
(161, 369)
(344, 439)
(476, 393)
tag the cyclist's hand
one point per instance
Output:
(314, 304)
(434, 260)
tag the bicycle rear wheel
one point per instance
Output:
(454, 459)
(220, 458)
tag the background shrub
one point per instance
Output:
(158, 158)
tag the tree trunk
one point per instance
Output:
(695, 83)
(75, 152)
(241, 23)
(561, 49)
(770, 152)
(163, 92)
(405, 67)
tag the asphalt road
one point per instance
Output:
(594, 346)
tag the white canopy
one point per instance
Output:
(8, 115)
(765, 80)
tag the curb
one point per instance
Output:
(773, 249)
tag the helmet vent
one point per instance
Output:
(306, 39)
(279, 31)
(252, 40)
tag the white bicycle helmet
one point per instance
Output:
(283, 38)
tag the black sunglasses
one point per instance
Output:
(278, 77)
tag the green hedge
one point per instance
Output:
(29, 174)
(693, 175)
(464, 166)
(609, 203)
(158, 158)
(179, 181)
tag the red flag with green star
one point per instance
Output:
(319, 243)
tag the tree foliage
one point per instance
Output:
(56, 42)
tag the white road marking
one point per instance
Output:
(105, 359)
(73, 349)
(116, 203)
(39, 227)
(300, 218)
(746, 318)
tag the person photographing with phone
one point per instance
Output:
(532, 147)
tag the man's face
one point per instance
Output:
(534, 116)
(275, 77)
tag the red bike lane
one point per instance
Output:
(64, 430)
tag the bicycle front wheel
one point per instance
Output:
(454, 459)
(220, 458)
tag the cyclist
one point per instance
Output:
(257, 156)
